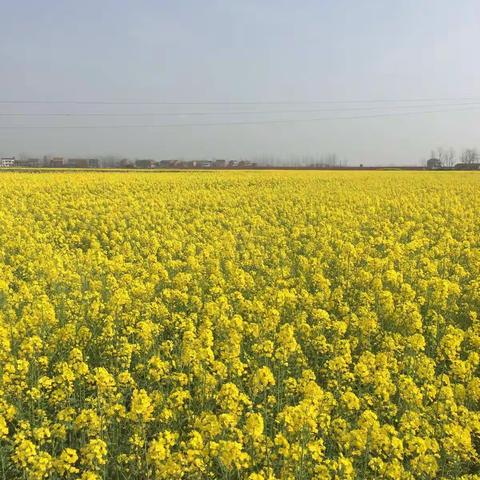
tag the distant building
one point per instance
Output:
(467, 166)
(77, 163)
(144, 163)
(169, 163)
(28, 163)
(7, 162)
(220, 163)
(203, 164)
(125, 163)
(246, 164)
(57, 162)
(434, 163)
(188, 164)
(83, 162)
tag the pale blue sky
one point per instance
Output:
(270, 50)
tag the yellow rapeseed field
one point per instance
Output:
(239, 325)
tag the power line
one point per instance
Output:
(275, 102)
(213, 113)
(219, 124)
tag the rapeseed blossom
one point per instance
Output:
(240, 325)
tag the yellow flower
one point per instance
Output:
(259, 325)
(87, 419)
(262, 379)
(3, 427)
(350, 401)
(90, 476)
(65, 463)
(94, 453)
(159, 449)
(254, 425)
(103, 380)
(142, 408)
(231, 455)
(25, 453)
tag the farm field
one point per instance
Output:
(240, 325)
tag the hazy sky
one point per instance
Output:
(240, 51)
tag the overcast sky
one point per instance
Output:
(241, 51)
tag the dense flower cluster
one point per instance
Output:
(240, 325)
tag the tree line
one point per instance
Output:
(448, 156)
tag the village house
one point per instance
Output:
(7, 162)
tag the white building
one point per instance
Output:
(7, 162)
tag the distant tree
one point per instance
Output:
(445, 155)
(436, 153)
(331, 159)
(449, 157)
(469, 155)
